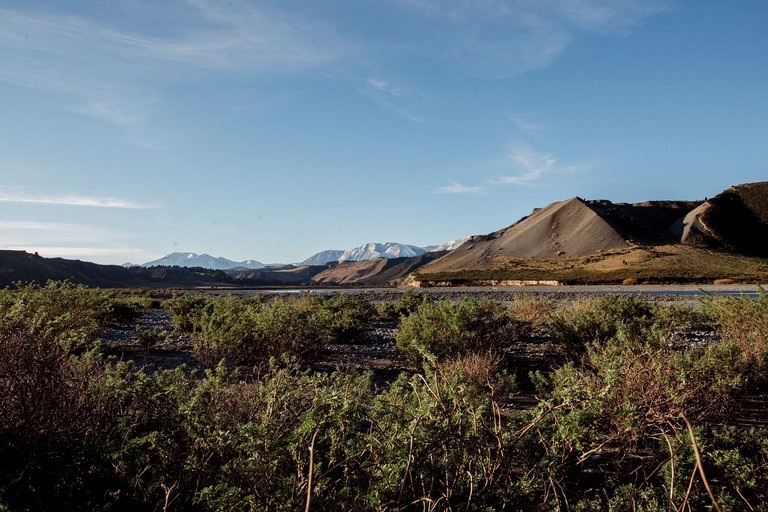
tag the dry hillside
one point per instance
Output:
(599, 241)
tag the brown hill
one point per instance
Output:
(373, 272)
(277, 276)
(598, 241)
(735, 220)
(561, 230)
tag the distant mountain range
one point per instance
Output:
(191, 259)
(575, 241)
(365, 252)
(374, 251)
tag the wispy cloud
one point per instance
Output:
(383, 86)
(77, 252)
(528, 165)
(394, 98)
(116, 73)
(521, 165)
(46, 233)
(502, 37)
(527, 126)
(68, 240)
(71, 200)
(458, 188)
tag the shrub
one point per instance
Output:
(349, 315)
(273, 443)
(630, 317)
(56, 419)
(252, 332)
(282, 327)
(534, 311)
(615, 413)
(742, 321)
(444, 330)
(67, 313)
(186, 311)
(438, 442)
(116, 311)
(150, 338)
(404, 306)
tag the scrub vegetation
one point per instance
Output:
(629, 420)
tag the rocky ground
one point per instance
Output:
(375, 350)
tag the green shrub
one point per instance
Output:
(78, 432)
(70, 314)
(186, 310)
(438, 442)
(444, 330)
(252, 332)
(630, 317)
(256, 444)
(349, 315)
(742, 321)
(616, 412)
(150, 338)
(409, 302)
(117, 311)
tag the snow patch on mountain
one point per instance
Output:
(191, 259)
(447, 246)
(373, 251)
(324, 257)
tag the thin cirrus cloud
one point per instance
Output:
(527, 126)
(507, 37)
(393, 98)
(523, 166)
(72, 200)
(385, 87)
(458, 188)
(66, 240)
(116, 74)
(528, 166)
(36, 232)
(70, 252)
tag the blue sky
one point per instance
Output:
(272, 130)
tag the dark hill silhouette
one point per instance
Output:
(735, 220)
(21, 266)
(25, 267)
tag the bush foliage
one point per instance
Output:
(632, 424)
(444, 330)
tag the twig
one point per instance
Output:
(672, 461)
(168, 491)
(311, 470)
(408, 464)
(697, 453)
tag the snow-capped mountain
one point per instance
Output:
(373, 251)
(370, 251)
(447, 246)
(191, 259)
(323, 257)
